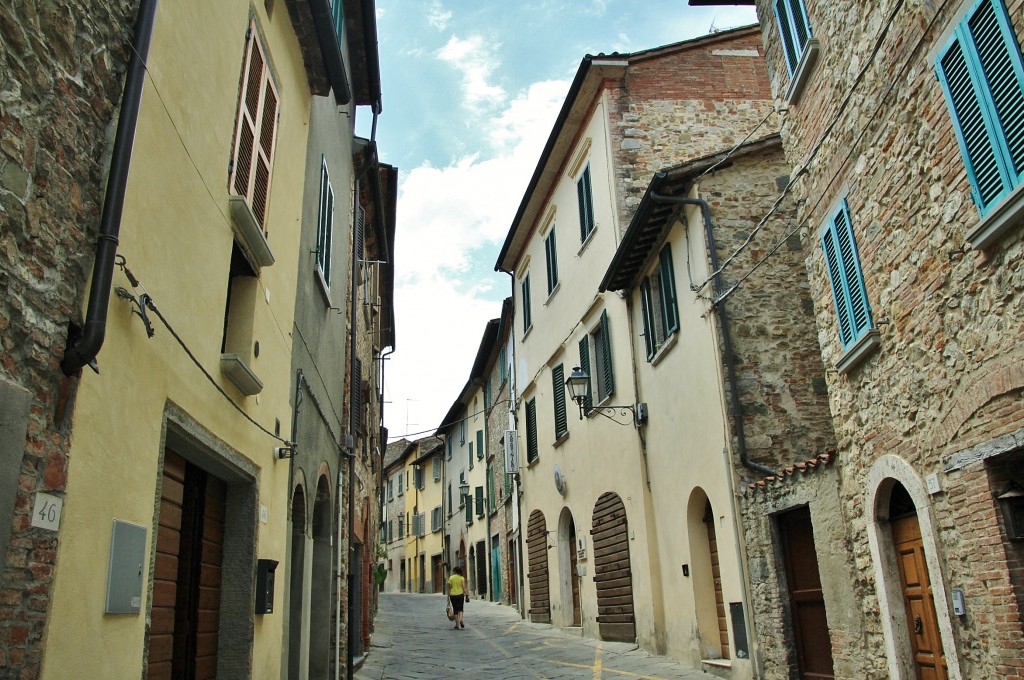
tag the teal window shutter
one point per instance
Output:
(525, 288)
(853, 313)
(585, 199)
(471, 455)
(531, 431)
(551, 257)
(480, 444)
(480, 501)
(469, 509)
(588, 402)
(647, 313)
(607, 377)
(794, 29)
(667, 289)
(558, 391)
(982, 75)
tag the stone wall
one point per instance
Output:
(497, 424)
(61, 72)
(703, 98)
(875, 129)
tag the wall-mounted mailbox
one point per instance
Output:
(265, 586)
(124, 568)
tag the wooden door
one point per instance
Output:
(922, 622)
(716, 573)
(438, 574)
(806, 602)
(577, 619)
(184, 636)
(612, 573)
(537, 546)
(512, 573)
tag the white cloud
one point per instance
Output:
(438, 16)
(451, 223)
(476, 62)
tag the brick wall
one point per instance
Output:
(63, 69)
(876, 130)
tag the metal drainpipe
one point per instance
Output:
(351, 453)
(87, 345)
(730, 366)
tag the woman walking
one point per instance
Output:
(458, 595)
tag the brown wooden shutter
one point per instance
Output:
(612, 572)
(537, 548)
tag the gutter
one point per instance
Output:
(323, 21)
(82, 347)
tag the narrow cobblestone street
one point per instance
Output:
(414, 640)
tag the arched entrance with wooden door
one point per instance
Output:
(296, 578)
(537, 575)
(319, 606)
(567, 569)
(706, 577)
(613, 575)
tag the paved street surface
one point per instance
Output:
(414, 640)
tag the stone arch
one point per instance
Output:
(706, 577)
(568, 581)
(885, 474)
(537, 575)
(613, 574)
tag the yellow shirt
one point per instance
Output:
(456, 585)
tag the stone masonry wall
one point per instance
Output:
(61, 73)
(497, 424)
(702, 98)
(875, 129)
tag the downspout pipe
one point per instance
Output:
(730, 366)
(83, 350)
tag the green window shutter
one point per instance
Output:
(667, 284)
(551, 257)
(982, 75)
(606, 340)
(853, 314)
(794, 29)
(469, 509)
(480, 444)
(527, 319)
(531, 431)
(588, 402)
(490, 488)
(585, 199)
(470, 455)
(558, 390)
(479, 501)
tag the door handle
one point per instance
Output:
(918, 625)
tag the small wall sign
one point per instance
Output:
(46, 513)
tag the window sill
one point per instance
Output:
(324, 287)
(532, 463)
(527, 332)
(587, 240)
(554, 290)
(802, 72)
(859, 351)
(249, 232)
(561, 440)
(1006, 215)
(665, 347)
(240, 375)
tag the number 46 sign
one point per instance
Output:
(46, 514)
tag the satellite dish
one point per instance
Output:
(560, 482)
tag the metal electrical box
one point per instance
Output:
(265, 586)
(124, 572)
(739, 629)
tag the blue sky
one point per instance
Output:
(470, 91)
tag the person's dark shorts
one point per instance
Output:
(457, 602)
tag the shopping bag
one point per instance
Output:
(450, 611)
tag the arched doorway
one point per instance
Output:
(320, 606)
(612, 573)
(918, 601)
(296, 577)
(706, 577)
(537, 547)
(567, 572)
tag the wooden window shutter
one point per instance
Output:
(480, 509)
(667, 280)
(480, 444)
(357, 397)
(558, 390)
(606, 341)
(585, 199)
(469, 509)
(256, 131)
(647, 315)
(531, 431)
(588, 402)
(853, 314)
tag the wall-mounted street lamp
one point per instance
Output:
(578, 385)
(464, 488)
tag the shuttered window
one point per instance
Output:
(469, 509)
(851, 299)
(480, 444)
(325, 224)
(527, 316)
(982, 76)
(490, 488)
(479, 501)
(436, 467)
(659, 308)
(604, 377)
(356, 403)
(551, 258)
(558, 391)
(255, 131)
(794, 29)
(588, 402)
(585, 198)
(531, 431)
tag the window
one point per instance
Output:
(852, 311)
(558, 390)
(480, 444)
(401, 527)
(391, 488)
(658, 304)
(400, 478)
(551, 257)
(436, 463)
(585, 198)
(391, 530)
(527, 317)
(462, 431)
(255, 132)
(417, 476)
(487, 394)
(531, 431)
(325, 224)
(471, 455)
(469, 509)
(982, 75)
(436, 519)
(479, 502)
(450, 506)
(600, 340)
(338, 14)
(794, 30)
(448, 445)
(588, 402)
(503, 363)
(490, 488)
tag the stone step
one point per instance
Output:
(721, 668)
